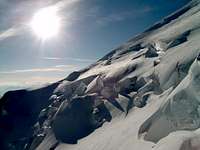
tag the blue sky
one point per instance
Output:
(91, 28)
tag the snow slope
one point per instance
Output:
(143, 95)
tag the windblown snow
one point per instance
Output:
(143, 95)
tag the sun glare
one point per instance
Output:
(46, 23)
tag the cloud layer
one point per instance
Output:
(70, 58)
(57, 68)
(16, 14)
(24, 78)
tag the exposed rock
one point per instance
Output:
(77, 118)
(179, 40)
(198, 57)
(73, 76)
(151, 52)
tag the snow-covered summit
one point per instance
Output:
(142, 95)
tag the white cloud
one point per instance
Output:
(9, 33)
(70, 58)
(25, 82)
(52, 58)
(57, 68)
(20, 24)
(24, 78)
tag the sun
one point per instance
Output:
(46, 23)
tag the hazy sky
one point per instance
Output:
(91, 28)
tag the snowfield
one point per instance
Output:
(143, 95)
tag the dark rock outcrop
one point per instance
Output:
(78, 118)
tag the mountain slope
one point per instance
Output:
(144, 94)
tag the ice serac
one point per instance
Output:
(144, 94)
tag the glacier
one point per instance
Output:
(144, 94)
